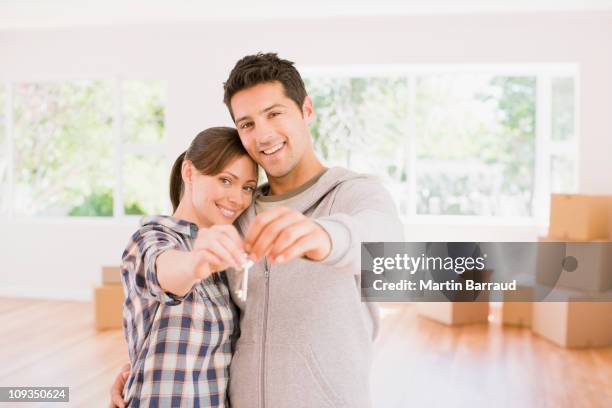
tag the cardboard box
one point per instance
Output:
(108, 306)
(579, 217)
(592, 269)
(455, 313)
(515, 313)
(111, 275)
(610, 226)
(574, 324)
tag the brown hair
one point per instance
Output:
(261, 68)
(210, 152)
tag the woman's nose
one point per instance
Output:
(235, 196)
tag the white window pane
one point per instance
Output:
(563, 179)
(363, 124)
(145, 187)
(63, 148)
(331, 130)
(562, 115)
(4, 202)
(475, 137)
(143, 111)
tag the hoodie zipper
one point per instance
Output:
(265, 329)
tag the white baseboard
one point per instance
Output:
(46, 293)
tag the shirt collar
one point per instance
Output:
(175, 224)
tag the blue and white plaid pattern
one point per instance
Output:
(180, 348)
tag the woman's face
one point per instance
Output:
(221, 198)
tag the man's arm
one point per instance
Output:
(283, 234)
(364, 211)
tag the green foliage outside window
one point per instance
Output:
(473, 137)
(63, 145)
(65, 148)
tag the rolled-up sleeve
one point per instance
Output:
(148, 245)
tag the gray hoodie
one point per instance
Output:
(306, 337)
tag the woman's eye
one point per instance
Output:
(249, 189)
(273, 114)
(225, 181)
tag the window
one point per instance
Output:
(62, 146)
(563, 123)
(4, 152)
(145, 172)
(83, 148)
(452, 142)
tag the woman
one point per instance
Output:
(179, 320)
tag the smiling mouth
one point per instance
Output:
(272, 150)
(226, 211)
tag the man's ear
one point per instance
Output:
(308, 111)
(187, 171)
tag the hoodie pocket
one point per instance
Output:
(295, 379)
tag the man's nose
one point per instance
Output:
(264, 135)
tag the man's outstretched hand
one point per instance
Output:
(283, 234)
(116, 391)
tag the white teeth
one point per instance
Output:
(274, 149)
(226, 212)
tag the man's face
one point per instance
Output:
(272, 128)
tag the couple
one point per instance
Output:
(304, 338)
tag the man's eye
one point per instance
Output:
(273, 114)
(246, 125)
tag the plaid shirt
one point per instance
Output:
(180, 347)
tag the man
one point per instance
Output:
(306, 338)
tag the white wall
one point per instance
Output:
(44, 259)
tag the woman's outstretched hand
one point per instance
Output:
(216, 249)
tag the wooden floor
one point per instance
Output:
(418, 363)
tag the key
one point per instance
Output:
(242, 293)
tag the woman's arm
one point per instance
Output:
(175, 271)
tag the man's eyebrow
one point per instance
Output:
(269, 108)
(276, 105)
(242, 118)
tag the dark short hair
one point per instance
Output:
(210, 152)
(261, 68)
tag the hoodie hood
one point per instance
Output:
(331, 178)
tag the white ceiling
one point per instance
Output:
(22, 14)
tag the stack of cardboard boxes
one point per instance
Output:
(108, 300)
(584, 223)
